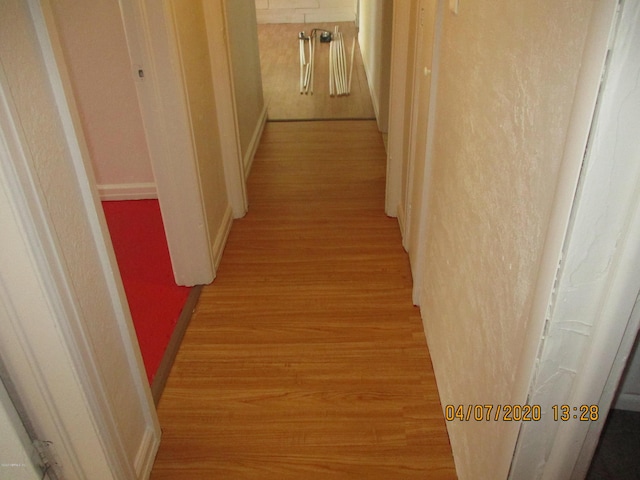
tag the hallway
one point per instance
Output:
(305, 358)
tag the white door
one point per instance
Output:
(417, 182)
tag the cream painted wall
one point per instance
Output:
(590, 315)
(95, 49)
(508, 70)
(305, 11)
(189, 22)
(247, 77)
(375, 37)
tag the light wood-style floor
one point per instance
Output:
(305, 359)
(280, 64)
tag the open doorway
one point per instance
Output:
(102, 58)
(281, 72)
(297, 61)
(98, 64)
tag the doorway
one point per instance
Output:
(280, 65)
(300, 50)
(99, 68)
(616, 454)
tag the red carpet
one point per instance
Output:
(141, 249)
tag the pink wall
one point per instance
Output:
(94, 44)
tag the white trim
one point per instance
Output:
(612, 160)
(423, 200)
(97, 396)
(221, 237)
(52, 358)
(255, 142)
(152, 43)
(22, 353)
(397, 108)
(414, 194)
(592, 314)
(224, 93)
(146, 455)
(612, 338)
(174, 38)
(127, 191)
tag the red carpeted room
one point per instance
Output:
(155, 301)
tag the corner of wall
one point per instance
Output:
(255, 142)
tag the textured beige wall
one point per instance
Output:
(507, 76)
(191, 31)
(95, 49)
(59, 185)
(245, 63)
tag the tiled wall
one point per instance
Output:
(305, 11)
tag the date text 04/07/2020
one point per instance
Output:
(518, 413)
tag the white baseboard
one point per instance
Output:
(628, 401)
(127, 191)
(146, 455)
(221, 237)
(255, 141)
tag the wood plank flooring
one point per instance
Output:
(305, 359)
(280, 64)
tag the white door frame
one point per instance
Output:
(16, 448)
(592, 313)
(45, 312)
(400, 64)
(224, 92)
(421, 186)
(409, 201)
(153, 47)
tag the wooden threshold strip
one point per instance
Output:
(162, 374)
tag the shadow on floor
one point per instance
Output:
(618, 454)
